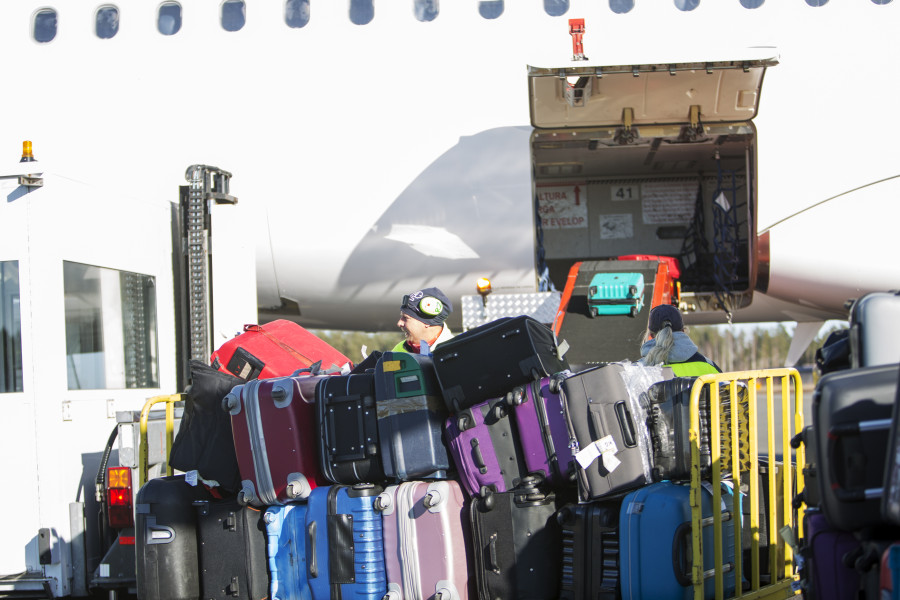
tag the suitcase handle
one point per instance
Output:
(494, 564)
(681, 552)
(477, 458)
(312, 564)
(853, 428)
(626, 425)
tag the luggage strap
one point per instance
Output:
(259, 329)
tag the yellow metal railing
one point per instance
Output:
(144, 452)
(741, 458)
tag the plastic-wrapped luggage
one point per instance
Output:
(411, 416)
(425, 540)
(276, 349)
(274, 438)
(489, 360)
(516, 543)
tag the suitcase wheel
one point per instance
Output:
(382, 502)
(634, 311)
(632, 289)
(464, 422)
(499, 411)
(487, 497)
(515, 397)
(594, 312)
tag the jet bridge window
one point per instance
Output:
(296, 13)
(490, 9)
(106, 23)
(44, 29)
(234, 15)
(111, 329)
(10, 329)
(168, 19)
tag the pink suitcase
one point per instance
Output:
(424, 540)
(272, 421)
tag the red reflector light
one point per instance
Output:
(126, 540)
(119, 497)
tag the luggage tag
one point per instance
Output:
(605, 448)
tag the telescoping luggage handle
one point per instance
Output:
(837, 431)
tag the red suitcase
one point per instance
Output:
(276, 349)
(272, 421)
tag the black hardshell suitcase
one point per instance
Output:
(851, 418)
(596, 408)
(590, 551)
(232, 542)
(167, 566)
(874, 330)
(348, 429)
(490, 360)
(669, 424)
(516, 543)
(890, 505)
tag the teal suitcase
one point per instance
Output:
(616, 294)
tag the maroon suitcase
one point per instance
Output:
(272, 421)
(276, 349)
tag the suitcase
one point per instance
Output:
(542, 431)
(875, 329)
(616, 294)
(167, 564)
(810, 494)
(489, 360)
(345, 543)
(286, 551)
(614, 450)
(424, 540)
(656, 547)
(590, 551)
(204, 442)
(669, 424)
(827, 576)
(674, 265)
(890, 505)
(348, 429)
(411, 415)
(851, 418)
(516, 543)
(484, 446)
(274, 439)
(276, 349)
(231, 541)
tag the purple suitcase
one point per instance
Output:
(484, 446)
(542, 430)
(424, 540)
(826, 546)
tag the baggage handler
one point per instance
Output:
(422, 316)
(666, 343)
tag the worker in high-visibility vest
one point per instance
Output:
(422, 316)
(667, 344)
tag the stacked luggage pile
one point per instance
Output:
(490, 469)
(851, 527)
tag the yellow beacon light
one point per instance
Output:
(483, 285)
(27, 156)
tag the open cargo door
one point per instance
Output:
(655, 158)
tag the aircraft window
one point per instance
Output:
(490, 9)
(44, 25)
(621, 7)
(687, 5)
(881, 2)
(234, 15)
(426, 10)
(816, 3)
(556, 8)
(10, 329)
(361, 12)
(296, 13)
(110, 328)
(168, 20)
(107, 22)
(752, 3)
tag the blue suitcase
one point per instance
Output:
(411, 414)
(286, 552)
(616, 294)
(655, 537)
(345, 543)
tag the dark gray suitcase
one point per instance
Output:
(348, 429)
(851, 418)
(590, 551)
(875, 329)
(167, 566)
(890, 505)
(232, 549)
(596, 407)
(516, 543)
(411, 416)
(488, 361)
